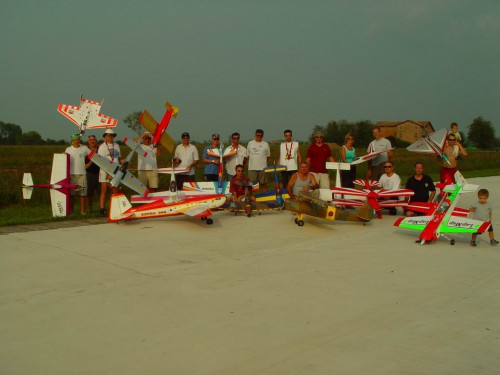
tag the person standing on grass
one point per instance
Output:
(289, 157)
(77, 154)
(111, 151)
(376, 165)
(258, 153)
(317, 156)
(92, 172)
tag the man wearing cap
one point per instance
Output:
(92, 172)
(317, 156)
(110, 150)
(376, 165)
(239, 158)
(258, 153)
(147, 164)
(211, 162)
(186, 156)
(77, 154)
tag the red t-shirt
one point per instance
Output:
(238, 186)
(319, 156)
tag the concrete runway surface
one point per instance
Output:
(255, 295)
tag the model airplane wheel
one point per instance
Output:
(209, 221)
(296, 221)
(452, 242)
(300, 223)
(204, 218)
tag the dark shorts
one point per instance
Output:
(92, 183)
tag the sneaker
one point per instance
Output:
(494, 242)
(473, 243)
(103, 212)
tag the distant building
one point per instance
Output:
(408, 131)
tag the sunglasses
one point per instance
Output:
(387, 166)
(239, 170)
(451, 139)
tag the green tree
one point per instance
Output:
(32, 138)
(481, 133)
(10, 134)
(132, 121)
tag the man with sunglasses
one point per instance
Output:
(317, 156)
(452, 149)
(240, 157)
(390, 181)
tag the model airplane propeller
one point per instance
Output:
(60, 186)
(86, 116)
(159, 129)
(442, 220)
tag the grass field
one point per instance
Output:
(16, 160)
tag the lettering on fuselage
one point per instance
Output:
(457, 224)
(416, 222)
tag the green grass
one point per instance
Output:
(16, 160)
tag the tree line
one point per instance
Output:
(480, 133)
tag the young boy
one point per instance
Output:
(454, 130)
(482, 211)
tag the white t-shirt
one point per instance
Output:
(380, 145)
(258, 152)
(110, 151)
(187, 155)
(390, 183)
(233, 161)
(77, 159)
(148, 162)
(288, 155)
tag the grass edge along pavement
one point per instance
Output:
(38, 210)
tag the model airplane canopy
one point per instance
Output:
(86, 116)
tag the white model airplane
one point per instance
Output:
(120, 173)
(87, 115)
(431, 144)
(59, 186)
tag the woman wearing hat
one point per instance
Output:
(110, 150)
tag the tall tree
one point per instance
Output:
(32, 138)
(481, 133)
(132, 121)
(10, 134)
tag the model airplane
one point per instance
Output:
(60, 186)
(87, 115)
(119, 173)
(314, 207)
(378, 199)
(200, 207)
(431, 144)
(277, 191)
(442, 219)
(159, 129)
(208, 187)
(221, 154)
(371, 154)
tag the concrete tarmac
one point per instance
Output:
(255, 295)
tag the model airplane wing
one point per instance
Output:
(87, 114)
(60, 169)
(150, 124)
(395, 193)
(348, 202)
(414, 223)
(464, 225)
(279, 168)
(391, 203)
(200, 210)
(428, 208)
(369, 156)
(60, 203)
(350, 191)
(425, 145)
(228, 151)
(208, 187)
(171, 170)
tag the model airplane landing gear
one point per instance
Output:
(209, 221)
(299, 221)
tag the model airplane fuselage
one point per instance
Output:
(60, 186)
(86, 116)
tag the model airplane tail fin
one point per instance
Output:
(27, 186)
(118, 207)
(466, 187)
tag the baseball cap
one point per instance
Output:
(215, 136)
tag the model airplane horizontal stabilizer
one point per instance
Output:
(271, 168)
(228, 151)
(171, 170)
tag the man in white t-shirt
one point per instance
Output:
(289, 157)
(77, 154)
(111, 151)
(390, 181)
(238, 159)
(258, 152)
(186, 155)
(147, 165)
(375, 165)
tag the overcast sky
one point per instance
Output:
(242, 65)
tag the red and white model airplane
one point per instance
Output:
(431, 144)
(120, 208)
(87, 115)
(378, 199)
(60, 186)
(159, 129)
